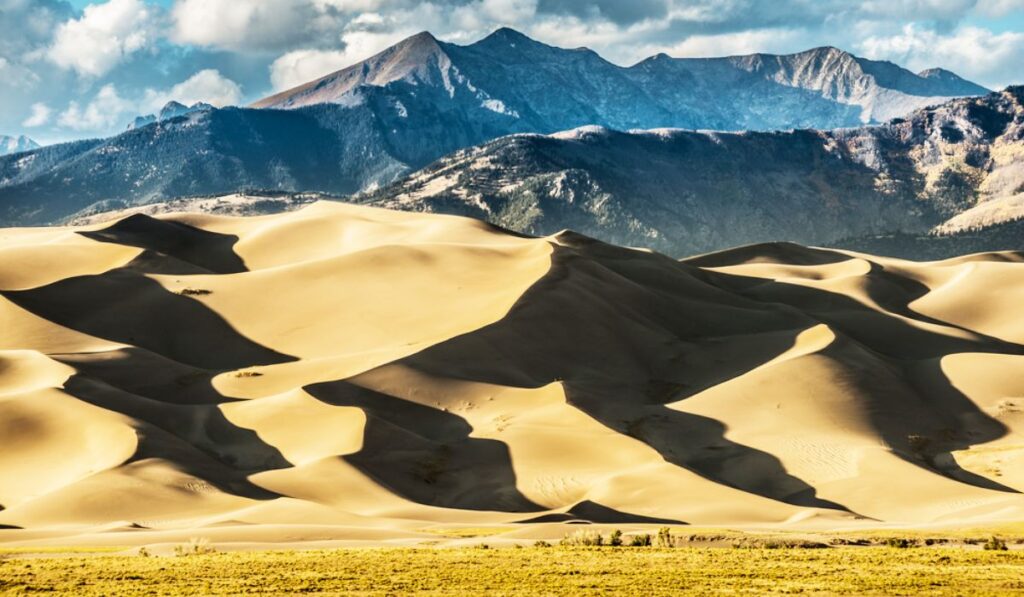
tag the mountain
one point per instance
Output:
(541, 88)
(170, 110)
(423, 99)
(9, 145)
(209, 152)
(353, 373)
(251, 203)
(950, 169)
(1001, 236)
(954, 167)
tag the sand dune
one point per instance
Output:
(341, 371)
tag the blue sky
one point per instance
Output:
(85, 68)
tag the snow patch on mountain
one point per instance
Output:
(496, 105)
(580, 132)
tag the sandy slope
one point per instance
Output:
(345, 372)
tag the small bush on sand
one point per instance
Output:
(994, 544)
(845, 541)
(664, 538)
(541, 543)
(144, 553)
(248, 373)
(899, 542)
(583, 539)
(758, 543)
(640, 541)
(194, 292)
(196, 546)
(615, 539)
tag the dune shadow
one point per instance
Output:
(163, 379)
(197, 438)
(885, 355)
(426, 455)
(566, 313)
(123, 306)
(883, 287)
(779, 252)
(148, 374)
(172, 247)
(880, 330)
(593, 512)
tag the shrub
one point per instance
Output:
(196, 546)
(899, 542)
(615, 540)
(541, 543)
(640, 541)
(248, 373)
(144, 553)
(194, 292)
(758, 543)
(848, 541)
(665, 538)
(583, 539)
(994, 544)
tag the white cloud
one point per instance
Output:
(104, 113)
(351, 6)
(499, 11)
(102, 37)
(207, 86)
(251, 24)
(999, 8)
(992, 59)
(302, 66)
(731, 44)
(40, 115)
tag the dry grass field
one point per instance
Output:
(529, 571)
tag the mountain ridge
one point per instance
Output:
(880, 90)
(943, 169)
(171, 109)
(957, 167)
(416, 102)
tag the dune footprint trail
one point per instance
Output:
(353, 368)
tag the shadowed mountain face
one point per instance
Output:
(947, 170)
(342, 365)
(367, 125)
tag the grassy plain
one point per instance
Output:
(529, 571)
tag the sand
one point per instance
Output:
(346, 374)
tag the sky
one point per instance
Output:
(85, 68)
